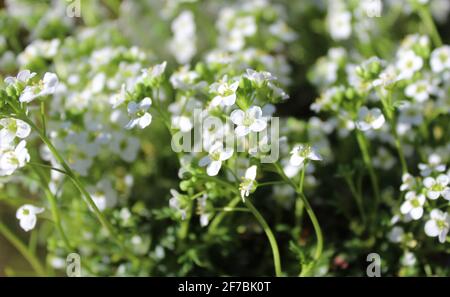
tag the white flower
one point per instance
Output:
(22, 77)
(26, 214)
(340, 24)
(182, 45)
(248, 183)
(183, 123)
(369, 119)
(13, 128)
(409, 259)
(440, 59)
(249, 121)
(154, 72)
(303, 152)
(45, 87)
(437, 187)
(259, 77)
(438, 225)
(434, 165)
(138, 113)
(13, 158)
(413, 205)
(246, 26)
(281, 30)
(175, 203)
(216, 155)
(117, 99)
(226, 93)
(103, 194)
(419, 90)
(408, 182)
(408, 64)
(396, 234)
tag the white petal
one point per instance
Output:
(132, 107)
(237, 117)
(431, 228)
(429, 182)
(416, 213)
(433, 195)
(406, 207)
(204, 161)
(145, 103)
(226, 154)
(258, 125)
(145, 120)
(443, 235)
(131, 124)
(442, 179)
(378, 123)
(213, 168)
(28, 223)
(229, 100)
(296, 160)
(255, 112)
(241, 131)
(23, 129)
(250, 173)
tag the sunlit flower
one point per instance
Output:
(13, 158)
(139, 115)
(13, 128)
(369, 119)
(216, 155)
(408, 64)
(226, 93)
(303, 152)
(248, 121)
(22, 77)
(440, 59)
(419, 90)
(434, 165)
(438, 225)
(437, 187)
(175, 202)
(248, 183)
(26, 214)
(413, 205)
(45, 87)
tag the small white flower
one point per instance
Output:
(340, 24)
(396, 234)
(408, 182)
(369, 119)
(413, 205)
(13, 158)
(434, 165)
(117, 99)
(13, 128)
(303, 152)
(249, 121)
(419, 90)
(409, 259)
(281, 30)
(440, 59)
(259, 77)
(216, 155)
(408, 64)
(22, 77)
(138, 113)
(26, 214)
(183, 123)
(248, 183)
(175, 203)
(154, 72)
(45, 87)
(226, 93)
(103, 194)
(438, 225)
(437, 187)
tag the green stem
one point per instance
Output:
(368, 162)
(218, 218)
(427, 19)
(269, 234)
(20, 246)
(299, 205)
(357, 196)
(54, 208)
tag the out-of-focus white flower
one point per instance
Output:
(248, 121)
(281, 30)
(408, 259)
(396, 234)
(175, 203)
(413, 205)
(182, 45)
(408, 64)
(26, 214)
(12, 158)
(22, 77)
(46, 87)
(369, 119)
(419, 90)
(248, 183)
(340, 24)
(139, 115)
(117, 99)
(434, 165)
(303, 152)
(183, 123)
(408, 182)
(438, 225)
(437, 187)
(13, 128)
(216, 155)
(103, 194)
(440, 59)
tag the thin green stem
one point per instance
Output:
(299, 205)
(218, 218)
(269, 234)
(362, 142)
(427, 19)
(22, 248)
(357, 196)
